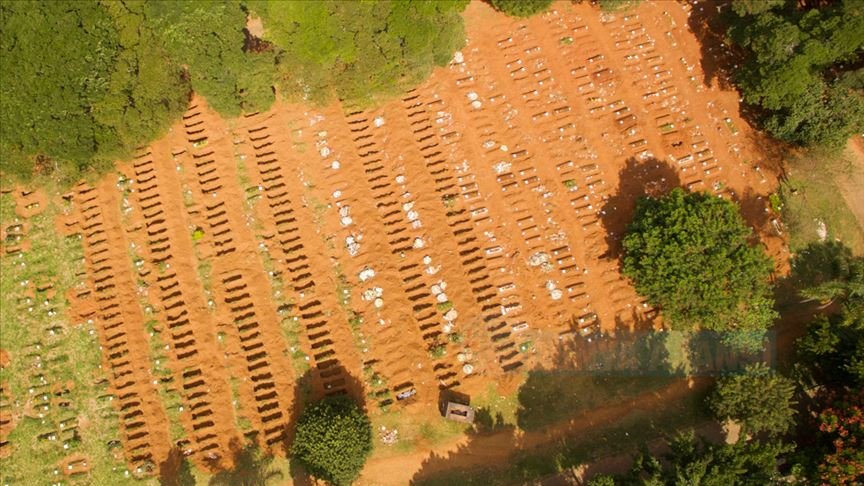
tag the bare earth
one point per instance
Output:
(488, 202)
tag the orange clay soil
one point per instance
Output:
(8, 420)
(443, 241)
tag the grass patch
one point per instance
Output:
(438, 351)
(620, 437)
(415, 433)
(811, 195)
(618, 5)
(548, 397)
(51, 356)
(500, 408)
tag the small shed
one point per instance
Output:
(460, 413)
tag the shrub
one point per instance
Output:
(333, 440)
(690, 254)
(521, 8)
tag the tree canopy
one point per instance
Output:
(208, 37)
(360, 50)
(82, 84)
(690, 254)
(832, 350)
(86, 82)
(333, 440)
(521, 8)
(760, 399)
(840, 451)
(693, 460)
(795, 70)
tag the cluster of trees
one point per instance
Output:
(82, 83)
(527, 8)
(360, 49)
(521, 8)
(86, 82)
(802, 68)
(691, 254)
(810, 422)
(761, 401)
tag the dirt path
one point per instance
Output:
(487, 203)
(497, 448)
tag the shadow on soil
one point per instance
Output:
(655, 178)
(253, 463)
(600, 397)
(636, 179)
(708, 22)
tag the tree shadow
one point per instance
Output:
(637, 179)
(602, 394)
(820, 262)
(253, 458)
(252, 467)
(755, 210)
(588, 377)
(592, 372)
(176, 470)
(708, 21)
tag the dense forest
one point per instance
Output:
(85, 82)
(803, 69)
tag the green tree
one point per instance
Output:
(833, 347)
(753, 7)
(601, 480)
(843, 277)
(521, 8)
(690, 254)
(83, 83)
(832, 350)
(794, 72)
(760, 399)
(615, 5)
(333, 440)
(359, 51)
(207, 36)
(696, 461)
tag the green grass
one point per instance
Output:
(166, 387)
(437, 352)
(551, 397)
(623, 436)
(618, 5)
(415, 432)
(69, 353)
(500, 407)
(810, 194)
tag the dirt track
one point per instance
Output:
(487, 204)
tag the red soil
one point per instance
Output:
(498, 190)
